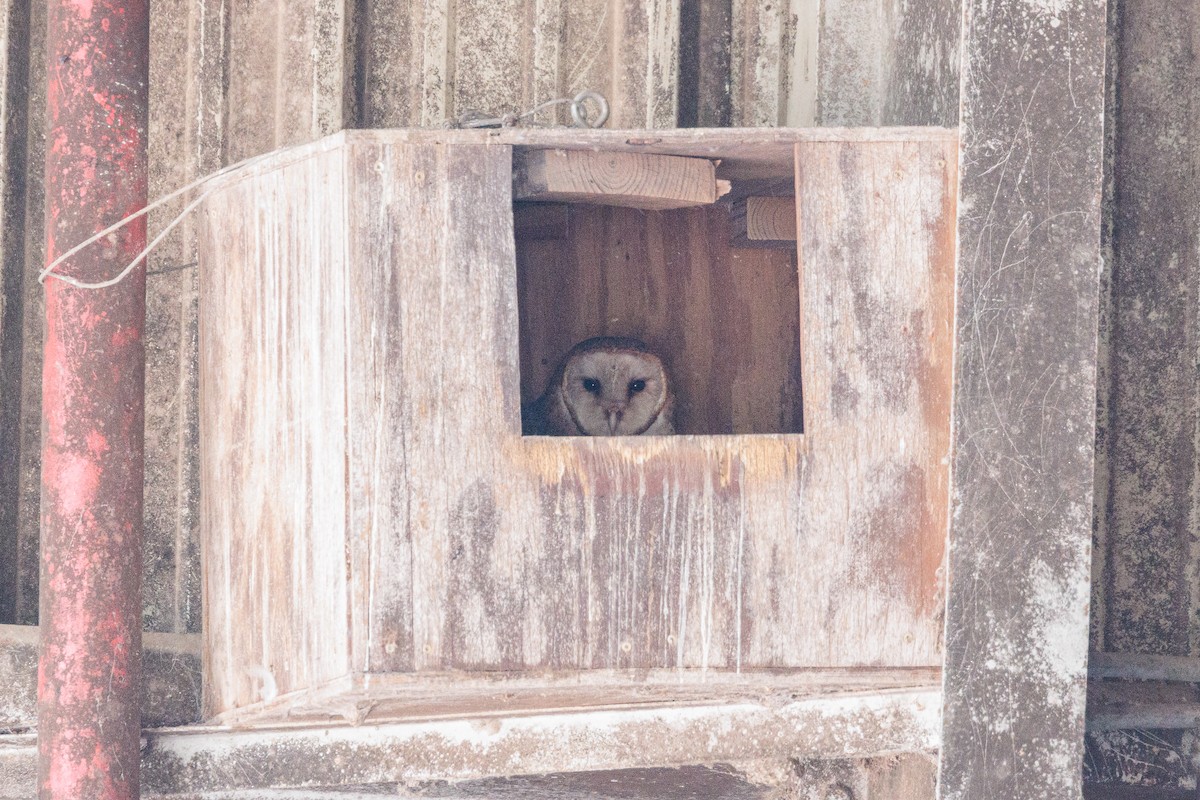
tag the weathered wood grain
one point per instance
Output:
(632, 180)
(1025, 394)
(378, 698)
(273, 448)
(187, 108)
(28, 259)
(876, 257)
(382, 306)
(888, 63)
(764, 222)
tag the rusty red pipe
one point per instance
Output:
(89, 672)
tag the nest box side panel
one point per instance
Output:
(273, 442)
(434, 395)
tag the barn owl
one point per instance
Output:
(606, 386)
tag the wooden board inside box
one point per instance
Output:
(372, 514)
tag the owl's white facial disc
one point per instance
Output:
(614, 392)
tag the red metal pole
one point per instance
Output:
(89, 674)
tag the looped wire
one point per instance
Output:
(471, 119)
(578, 107)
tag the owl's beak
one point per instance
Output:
(613, 410)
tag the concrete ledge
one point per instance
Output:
(201, 759)
(198, 761)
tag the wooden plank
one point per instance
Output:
(398, 696)
(744, 153)
(195, 761)
(273, 406)
(764, 222)
(643, 91)
(704, 64)
(187, 110)
(633, 180)
(921, 77)
(395, 279)
(515, 55)
(1025, 395)
(876, 225)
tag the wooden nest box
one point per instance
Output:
(381, 540)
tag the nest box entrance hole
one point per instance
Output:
(661, 249)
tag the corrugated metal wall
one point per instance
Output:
(234, 78)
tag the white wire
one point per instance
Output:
(578, 113)
(49, 272)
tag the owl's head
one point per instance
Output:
(613, 386)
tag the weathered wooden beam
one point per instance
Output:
(635, 180)
(764, 222)
(1024, 399)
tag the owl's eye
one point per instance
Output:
(636, 386)
(592, 385)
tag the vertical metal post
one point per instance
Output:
(92, 404)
